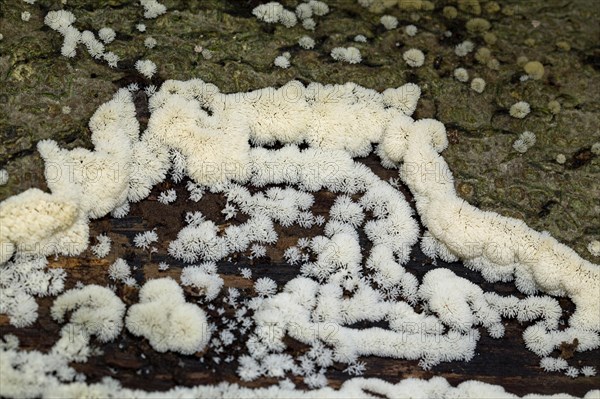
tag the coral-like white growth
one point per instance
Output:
(246, 272)
(107, 35)
(95, 310)
(62, 21)
(461, 74)
(414, 57)
(111, 58)
(304, 10)
(520, 110)
(163, 266)
(167, 320)
(306, 42)
(146, 68)
(319, 8)
(337, 122)
(102, 248)
(411, 30)
(351, 55)
(464, 48)
(143, 240)
(553, 364)
(594, 248)
(150, 42)
(588, 371)
(282, 62)
(309, 24)
(274, 12)
(23, 278)
(141, 27)
(26, 16)
(258, 251)
(119, 270)
(204, 279)
(346, 211)
(525, 141)
(167, 197)
(389, 22)
(265, 286)
(478, 85)
(360, 39)
(152, 8)
(3, 177)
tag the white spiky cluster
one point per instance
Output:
(152, 8)
(62, 21)
(3, 177)
(204, 278)
(351, 55)
(389, 22)
(461, 74)
(102, 248)
(146, 68)
(337, 122)
(464, 48)
(414, 57)
(520, 110)
(525, 141)
(273, 12)
(22, 279)
(167, 320)
(306, 42)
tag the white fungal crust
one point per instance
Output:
(274, 12)
(167, 320)
(146, 68)
(488, 241)
(414, 57)
(196, 130)
(152, 8)
(95, 310)
(351, 55)
(520, 110)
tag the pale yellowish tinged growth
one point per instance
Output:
(478, 25)
(414, 57)
(490, 38)
(534, 69)
(470, 6)
(554, 107)
(478, 85)
(450, 12)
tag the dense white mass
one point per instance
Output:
(167, 320)
(216, 140)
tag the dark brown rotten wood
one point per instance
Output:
(132, 361)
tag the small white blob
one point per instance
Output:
(414, 57)
(389, 22)
(411, 30)
(306, 42)
(3, 177)
(478, 85)
(594, 248)
(146, 68)
(150, 42)
(282, 62)
(351, 55)
(520, 110)
(107, 35)
(461, 74)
